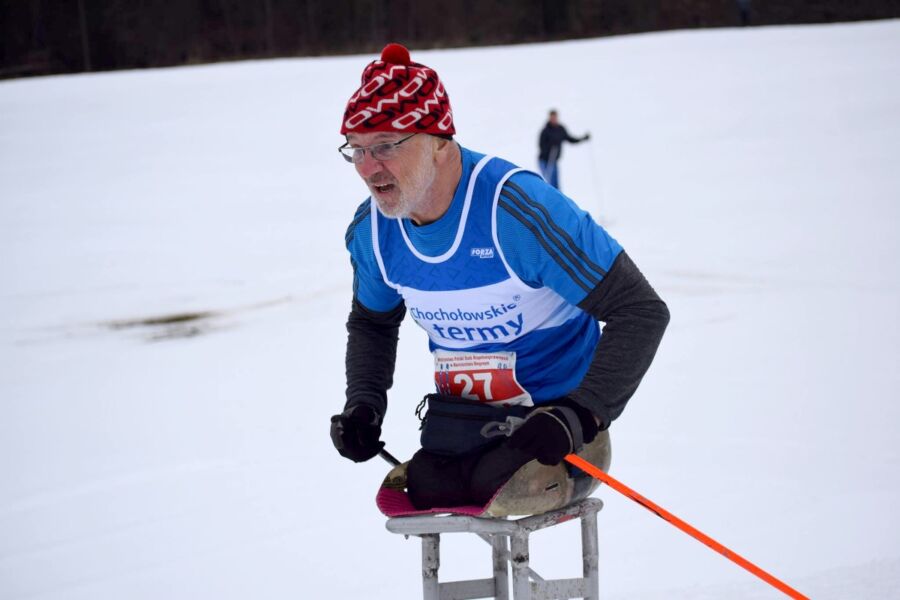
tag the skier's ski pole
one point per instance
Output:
(623, 489)
(598, 190)
(388, 457)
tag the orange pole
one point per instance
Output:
(685, 527)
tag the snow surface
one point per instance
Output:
(753, 175)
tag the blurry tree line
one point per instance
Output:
(40, 37)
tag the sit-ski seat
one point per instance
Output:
(509, 542)
(557, 493)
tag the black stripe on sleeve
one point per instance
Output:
(355, 276)
(560, 231)
(362, 212)
(591, 279)
(537, 235)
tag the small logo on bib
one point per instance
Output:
(483, 252)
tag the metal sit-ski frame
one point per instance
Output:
(526, 584)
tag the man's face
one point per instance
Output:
(399, 185)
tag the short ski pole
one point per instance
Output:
(595, 472)
(388, 457)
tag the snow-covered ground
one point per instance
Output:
(752, 174)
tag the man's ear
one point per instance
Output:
(441, 145)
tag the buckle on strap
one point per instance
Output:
(567, 417)
(501, 428)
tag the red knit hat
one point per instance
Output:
(399, 95)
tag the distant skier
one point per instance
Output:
(550, 146)
(509, 279)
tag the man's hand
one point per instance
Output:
(550, 434)
(355, 433)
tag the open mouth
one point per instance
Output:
(384, 188)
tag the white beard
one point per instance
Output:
(413, 194)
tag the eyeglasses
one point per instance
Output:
(383, 151)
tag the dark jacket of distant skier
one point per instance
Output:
(550, 148)
(550, 142)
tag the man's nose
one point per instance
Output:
(368, 166)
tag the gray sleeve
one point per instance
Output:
(635, 318)
(371, 355)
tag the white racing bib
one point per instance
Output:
(487, 377)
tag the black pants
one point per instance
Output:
(434, 480)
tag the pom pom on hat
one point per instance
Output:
(398, 95)
(395, 54)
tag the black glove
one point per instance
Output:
(555, 430)
(586, 137)
(355, 433)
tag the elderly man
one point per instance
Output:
(509, 278)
